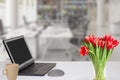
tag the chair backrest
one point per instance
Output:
(25, 20)
(1, 28)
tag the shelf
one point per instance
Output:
(62, 8)
(47, 7)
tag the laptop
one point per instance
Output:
(19, 53)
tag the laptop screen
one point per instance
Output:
(17, 48)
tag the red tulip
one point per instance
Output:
(108, 38)
(99, 46)
(111, 44)
(83, 50)
(90, 39)
(115, 43)
(87, 39)
(110, 41)
(94, 42)
(102, 44)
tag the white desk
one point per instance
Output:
(75, 71)
(58, 33)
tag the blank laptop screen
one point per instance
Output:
(19, 50)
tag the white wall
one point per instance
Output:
(114, 11)
(114, 16)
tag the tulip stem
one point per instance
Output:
(99, 71)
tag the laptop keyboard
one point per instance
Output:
(34, 67)
(37, 69)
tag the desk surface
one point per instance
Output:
(57, 32)
(24, 31)
(74, 71)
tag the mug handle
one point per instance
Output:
(4, 71)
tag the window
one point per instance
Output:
(2, 11)
(2, 1)
(27, 8)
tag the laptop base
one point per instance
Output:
(37, 69)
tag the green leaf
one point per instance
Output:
(92, 57)
(104, 55)
(100, 53)
(91, 47)
(85, 44)
(97, 53)
(109, 53)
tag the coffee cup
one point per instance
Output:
(11, 71)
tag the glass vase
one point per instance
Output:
(99, 72)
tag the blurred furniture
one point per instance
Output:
(2, 31)
(1, 28)
(31, 36)
(25, 20)
(73, 71)
(79, 30)
(59, 34)
(79, 33)
(35, 24)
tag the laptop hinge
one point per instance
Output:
(26, 64)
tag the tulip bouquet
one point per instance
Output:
(99, 50)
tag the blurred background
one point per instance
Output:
(54, 29)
